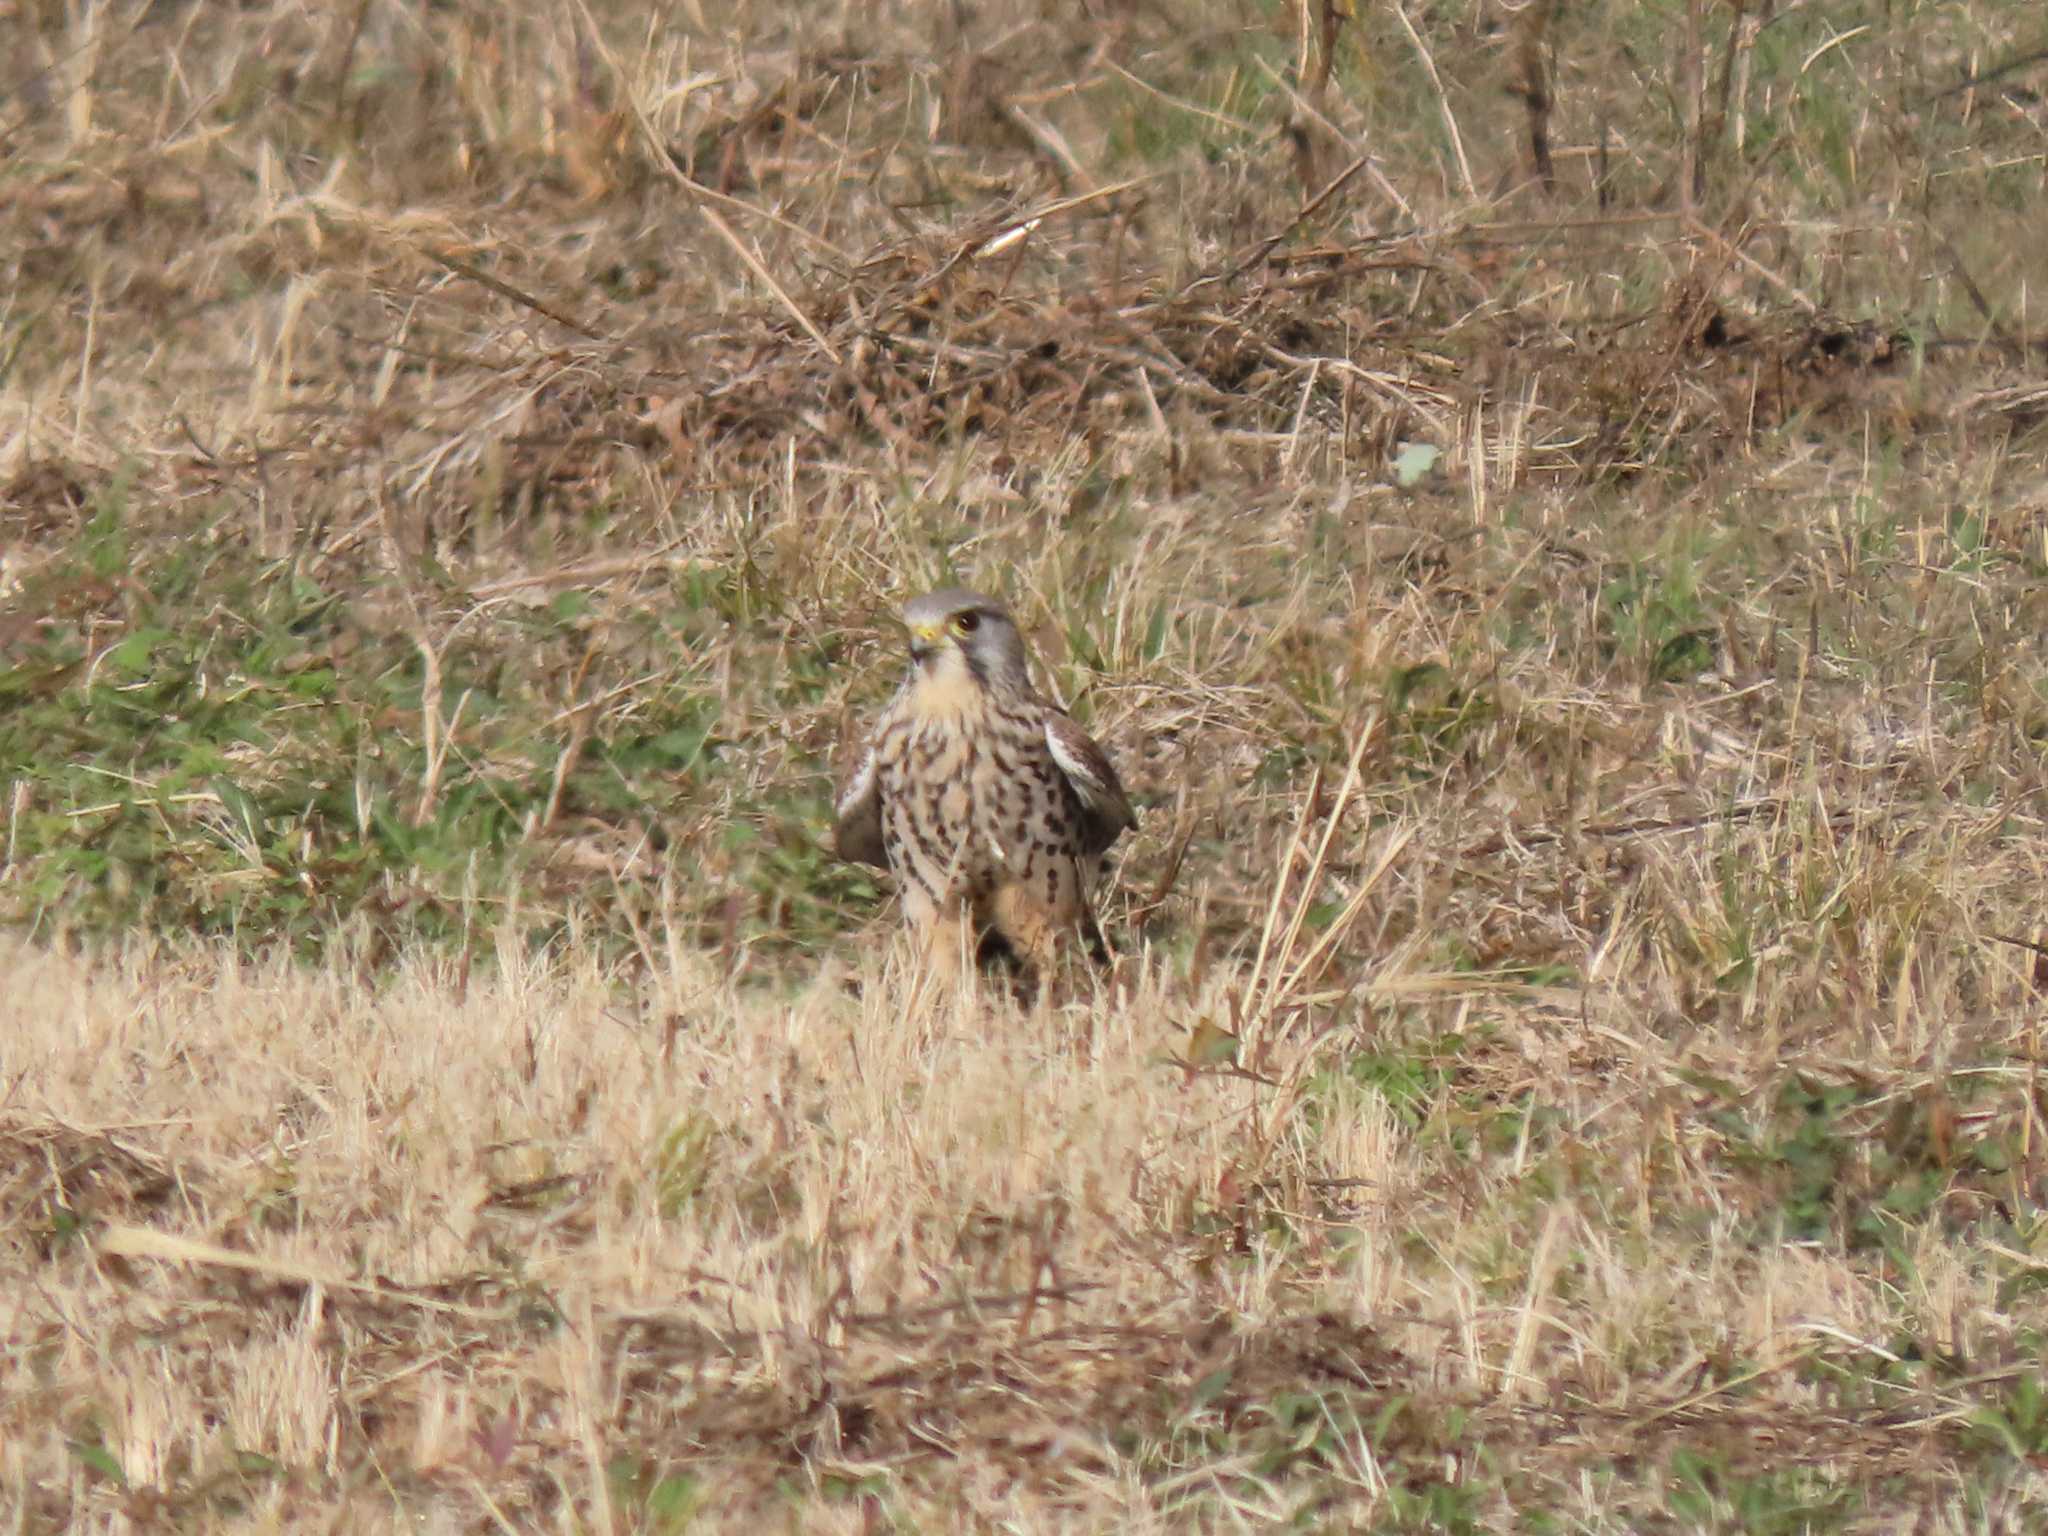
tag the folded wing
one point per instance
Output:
(858, 835)
(1106, 812)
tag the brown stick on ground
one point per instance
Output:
(1265, 247)
(1326, 53)
(1716, 128)
(1691, 158)
(1532, 27)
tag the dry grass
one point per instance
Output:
(1578, 649)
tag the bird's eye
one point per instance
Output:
(966, 623)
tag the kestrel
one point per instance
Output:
(992, 807)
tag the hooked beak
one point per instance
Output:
(924, 640)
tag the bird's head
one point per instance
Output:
(956, 635)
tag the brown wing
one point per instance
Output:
(1105, 809)
(857, 837)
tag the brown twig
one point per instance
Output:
(1265, 247)
(346, 63)
(1724, 88)
(1997, 71)
(987, 1303)
(2017, 942)
(1692, 170)
(505, 290)
(1531, 30)
(1649, 826)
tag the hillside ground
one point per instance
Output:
(1548, 506)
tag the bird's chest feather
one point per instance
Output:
(966, 783)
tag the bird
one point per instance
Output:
(991, 807)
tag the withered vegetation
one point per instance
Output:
(1547, 504)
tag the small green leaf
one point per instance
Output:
(240, 805)
(1211, 1045)
(623, 1475)
(133, 654)
(1408, 681)
(671, 1502)
(1209, 1388)
(1684, 656)
(99, 1459)
(1155, 632)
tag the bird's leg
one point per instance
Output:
(946, 940)
(1023, 919)
(941, 929)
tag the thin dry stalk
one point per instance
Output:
(1465, 185)
(122, 1240)
(433, 734)
(1692, 156)
(1265, 989)
(1519, 1380)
